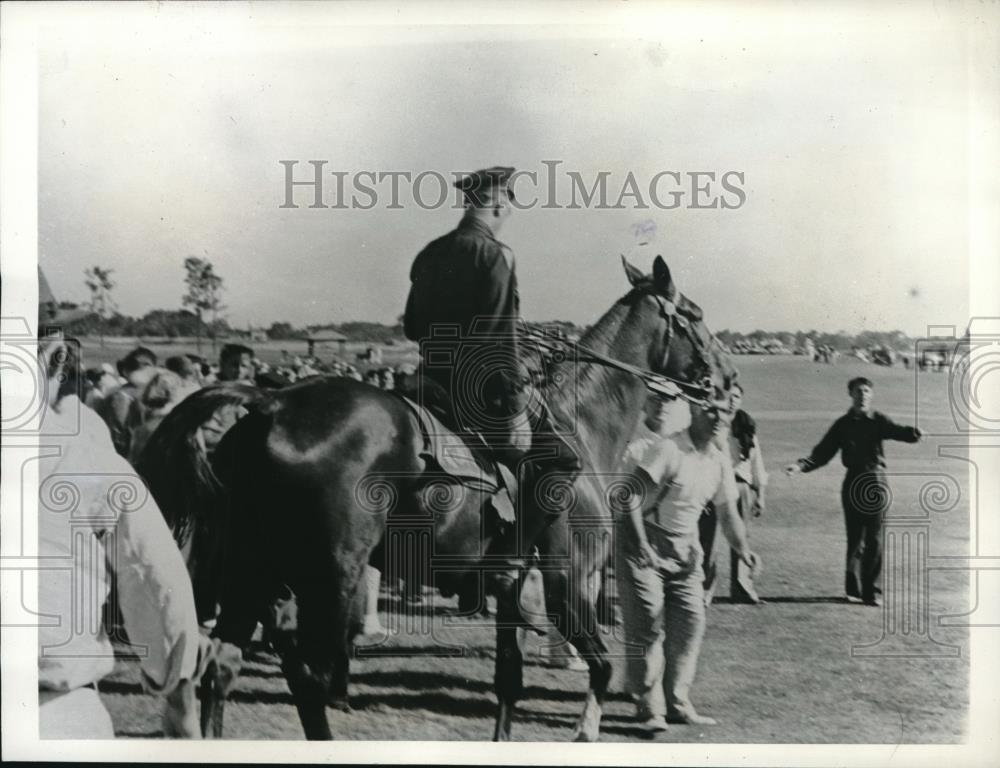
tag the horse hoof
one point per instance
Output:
(341, 705)
(584, 737)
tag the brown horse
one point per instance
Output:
(315, 473)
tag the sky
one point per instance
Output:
(161, 136)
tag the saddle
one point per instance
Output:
(463, 456)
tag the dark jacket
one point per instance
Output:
(464, 305)
(744, 428)
(859, 439)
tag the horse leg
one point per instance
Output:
(508, 677)
(342, 643)
(309, 677)
(340, 678)
(572, 604)
(240, 602)
(317, 664)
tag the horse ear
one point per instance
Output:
(661, 276)
(634, 275)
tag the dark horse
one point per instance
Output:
(314, 473)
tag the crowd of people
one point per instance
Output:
(134, 395)
(699, 463)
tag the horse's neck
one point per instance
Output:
(601, 402)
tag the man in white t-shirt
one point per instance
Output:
(660, 417)
(661, 569)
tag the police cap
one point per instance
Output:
(477, 186)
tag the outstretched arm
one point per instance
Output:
(890, 430)
(825, 450)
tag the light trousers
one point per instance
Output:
(664, 613)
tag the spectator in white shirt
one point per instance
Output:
(97, 520)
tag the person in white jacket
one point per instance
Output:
(97, 522)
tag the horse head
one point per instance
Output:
(682, 347)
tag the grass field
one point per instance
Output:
(777, 673)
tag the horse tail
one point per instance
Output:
(176, 465)
(240, 450)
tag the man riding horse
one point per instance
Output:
(321, 477)
(464, 309)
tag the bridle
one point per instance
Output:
(657, 383)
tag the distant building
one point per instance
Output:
(249, 334)
(325, 339)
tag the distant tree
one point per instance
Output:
(167, 322)
(366, 331)
(219, 329)
(120, 325)
(787, 338)
(280, 331)
(98, 280)
(726, 336)
(204, 292)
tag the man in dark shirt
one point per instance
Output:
(858, 435)
(463, 308)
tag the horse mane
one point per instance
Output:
(589, 378)
(689, 309)
(173, 462)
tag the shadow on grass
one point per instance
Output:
(420, 680)
(442, 703)
(269, 674)
(259, 696)
(785, 599)
(423, 682)
(427, 607)
(425, 691)
(120, 687)
(429, 691)
(391, 648)
(437, 702)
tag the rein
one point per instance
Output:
(657, 383)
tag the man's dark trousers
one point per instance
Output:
(865, 495)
